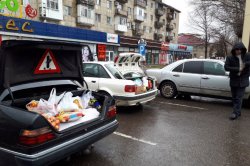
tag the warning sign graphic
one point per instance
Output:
(47, 64)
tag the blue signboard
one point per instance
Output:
(142, 49)
(23, 26)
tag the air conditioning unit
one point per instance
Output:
(116, 3)
(42, 9)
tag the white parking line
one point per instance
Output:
(135, 139)
(181, 105)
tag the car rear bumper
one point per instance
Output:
(57, 152)
(135, 100)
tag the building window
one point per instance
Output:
(173, 34)
(97, 17)
(140, 12)
(109, 20)
(174, 24)
(52, 4)
(144, 28)
(175, 15)
(152, 18)
(109, 4)
(164, 21)
(145, 16)
(98, 2)
(129, 11)
(152, 5)
(150, 30)
(123, 21)
(129, 25)
(67, 10)
(85, 12)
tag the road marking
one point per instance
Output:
(135, 139)
(181, 105)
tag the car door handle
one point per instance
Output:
(205, 78)
(176, 75)
(93, 81)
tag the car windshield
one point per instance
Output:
(116, 73)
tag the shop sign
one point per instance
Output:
(101, 49)
(12, 26)
(164, 46)
(112, 38)
(11, 8)
(182, 47)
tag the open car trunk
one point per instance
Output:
(90, 114)
(31, 62)
(129, 65)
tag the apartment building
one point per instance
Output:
(111, 25)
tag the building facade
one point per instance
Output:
(197, 43)
(111, 23)
(246, 28)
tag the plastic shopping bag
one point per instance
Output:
(42, 107)
(67, 104)
(53, 98)
(145, 81)
(86, 98)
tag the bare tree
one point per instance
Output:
(230, 13)
(202, 19)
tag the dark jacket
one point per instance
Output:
(232, 65)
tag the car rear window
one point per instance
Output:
(116, 73)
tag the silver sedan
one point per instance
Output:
(199, 77)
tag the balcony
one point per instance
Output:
(159, 24)
(82, 19)
(159, 12)
(122, 1)
(140, 3)
(169, 38)
(138, 32)
(121, 28)
(158, 36)
(121, 12)
(138, 18)
(170, 16)
(169, 27)
(86, 2)
(85, 21)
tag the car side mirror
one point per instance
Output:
(227, 73)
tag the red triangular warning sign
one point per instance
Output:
(47, 64)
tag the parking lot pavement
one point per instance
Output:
(174, 132)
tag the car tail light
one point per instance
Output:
(111, 112)
(130, 88)
(36, 137)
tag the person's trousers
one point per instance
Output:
(237, 98)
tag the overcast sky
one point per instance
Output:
(184, 7)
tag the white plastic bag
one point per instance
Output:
(145, 81)
(53, 98)
(67, 104)
(86, 98)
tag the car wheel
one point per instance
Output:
(168, 90)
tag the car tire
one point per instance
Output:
(168, 90)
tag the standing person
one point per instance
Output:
(238, 64)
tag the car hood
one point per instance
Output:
(24, 62)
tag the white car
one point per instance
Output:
(104, 77)
(201, 77)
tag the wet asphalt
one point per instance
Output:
(176, 132)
